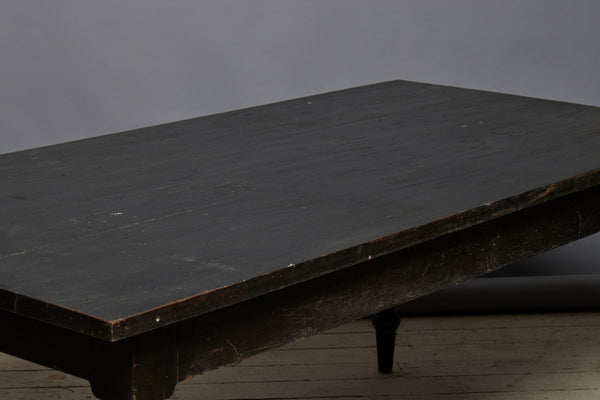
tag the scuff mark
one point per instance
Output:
(93, 234)
(268, 347)
(237, 353)
(546, 191)
(23, 252)
(147, 221)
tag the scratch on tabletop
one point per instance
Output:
(92, 234)
(147, 221)
(237, 353)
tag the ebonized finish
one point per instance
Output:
(386, 324)
(152, 255)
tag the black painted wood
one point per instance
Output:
(239, 331)
(233, 333)
(144, 366)
(121, 234)
(386, 323)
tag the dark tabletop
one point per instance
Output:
(222, 208)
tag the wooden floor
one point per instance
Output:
(528, 356)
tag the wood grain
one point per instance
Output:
(164, 223)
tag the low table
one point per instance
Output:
(139, 259)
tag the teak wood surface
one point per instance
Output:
(152, 255)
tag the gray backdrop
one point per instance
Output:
(81, 68)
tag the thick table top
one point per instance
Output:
(179, 219)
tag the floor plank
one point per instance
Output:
(495, 357)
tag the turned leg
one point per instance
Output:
(385, 323)
(141, 368)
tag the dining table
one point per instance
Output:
(139, 259)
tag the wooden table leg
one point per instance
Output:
(143, 367)
(385, 323)
(140, 368)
